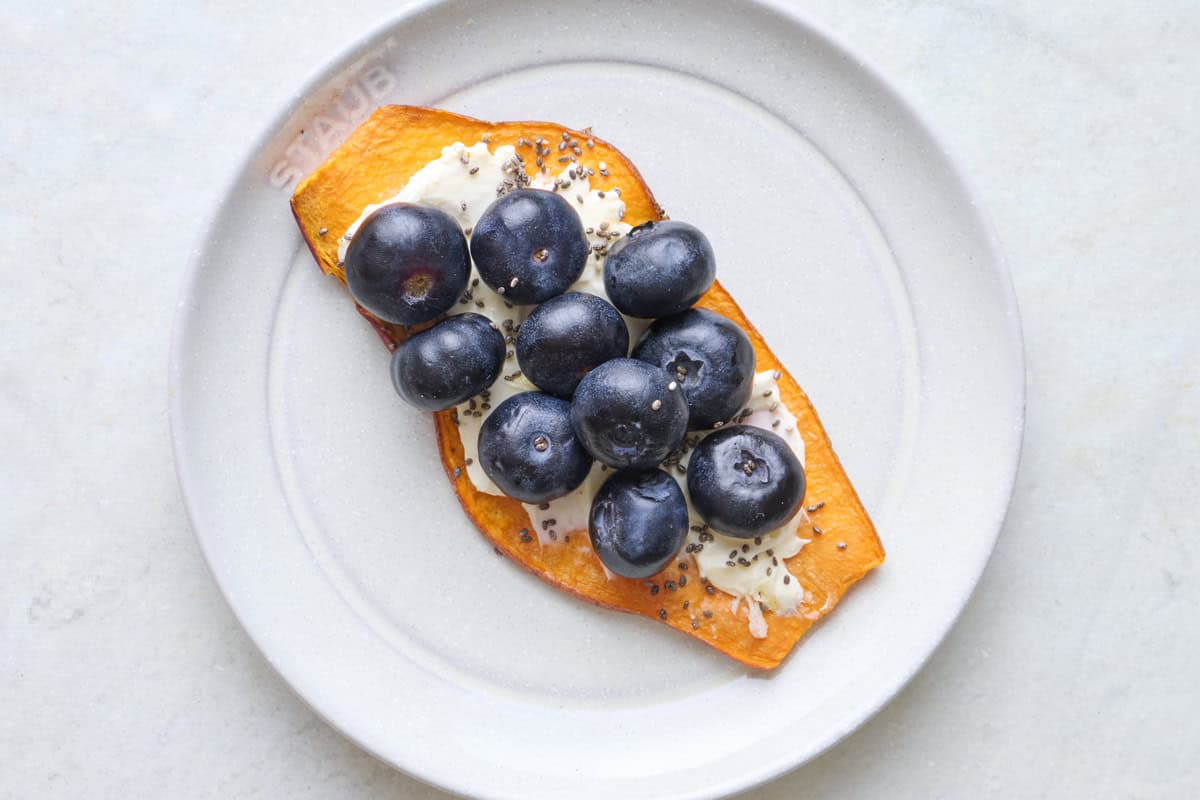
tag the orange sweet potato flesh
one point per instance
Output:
(373, 164)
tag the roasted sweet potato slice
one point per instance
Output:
(373, 164)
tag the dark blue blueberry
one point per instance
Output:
(745, 481)
(449, 363)
(658, 269)
(528, 448)
(709, 356)
(529, 245)
(407, 263)
(638, 522)
(626, 416)
(567, 337)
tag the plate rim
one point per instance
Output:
(345, 57)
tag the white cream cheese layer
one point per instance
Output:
(463, 182)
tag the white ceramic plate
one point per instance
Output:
(851, 241)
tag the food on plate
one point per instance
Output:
(408, 263)
(529, 449)
(638, 522)
(745, 481)
(449, 363)
(529, 245)
(710, 357)
(567, 337)
(689, 481)
(659, 269)
(629, 414)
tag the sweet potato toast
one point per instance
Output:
(373, 164)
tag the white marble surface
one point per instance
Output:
(1072, 672)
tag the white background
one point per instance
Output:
(1073, 672)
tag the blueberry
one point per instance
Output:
(745, 481)
(449, 363)
(528, 448)
(659, 269)
(407, 263)
(709, 356)
(567, 337)
(529, 245)
(626, 416)
(638, 522)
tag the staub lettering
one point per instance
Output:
(328, 128)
